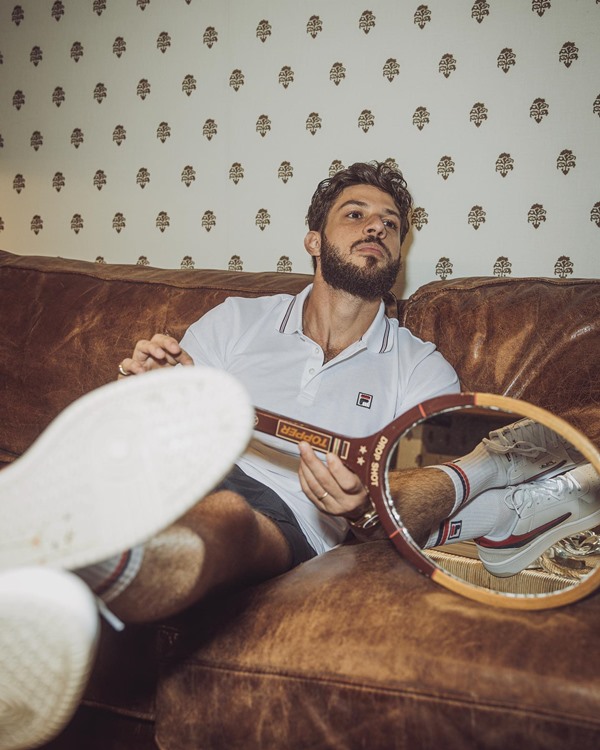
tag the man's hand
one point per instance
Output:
(160, 351)
(332, 487)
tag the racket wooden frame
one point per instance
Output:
(369, 458)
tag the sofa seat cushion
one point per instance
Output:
(355, 649)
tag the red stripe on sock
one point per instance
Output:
(464, 479)
(115, 575)
(442, 536)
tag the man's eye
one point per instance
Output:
(354, 215)
(391, 224)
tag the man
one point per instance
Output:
(328, 356)
(307, 356)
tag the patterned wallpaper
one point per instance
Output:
(191, 133)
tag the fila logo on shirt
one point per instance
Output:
(365, 400)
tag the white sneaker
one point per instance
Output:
(545, 512)
(121, 464)
(526, 450)
(48, 635)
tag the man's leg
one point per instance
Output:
(513, 526)
(423, 498)
(520, 452)
(241, 533)
(48, 618)
(115, 469)
(219, 543)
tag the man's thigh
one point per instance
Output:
(267, 502)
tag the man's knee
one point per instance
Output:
(223, 508)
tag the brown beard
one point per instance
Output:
(370, 282)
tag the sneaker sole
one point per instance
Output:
(505, 563)
(120, 464)
(48, 636)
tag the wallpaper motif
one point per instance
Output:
(191, 133)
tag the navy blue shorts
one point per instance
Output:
(264, 500)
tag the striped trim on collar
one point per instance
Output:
(291, 322)
(386, 335)
(379, 338)
(286, 317)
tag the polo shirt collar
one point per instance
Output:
(377, 338)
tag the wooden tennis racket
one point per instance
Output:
(369, 458)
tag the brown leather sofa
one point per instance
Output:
(354, 649)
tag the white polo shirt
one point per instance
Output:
(260, 341)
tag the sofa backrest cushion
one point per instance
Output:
(534, 339)
(66, 324)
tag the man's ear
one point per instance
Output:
(312, 243)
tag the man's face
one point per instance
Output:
(360, 244)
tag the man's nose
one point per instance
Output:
(376, 226)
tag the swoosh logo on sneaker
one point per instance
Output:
(520, 540)
(546, 468)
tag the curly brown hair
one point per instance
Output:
(381, 175)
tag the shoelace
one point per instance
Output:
(501, 443)
(523, 496)
(109, 616)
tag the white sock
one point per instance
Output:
(458, 480)
(472, 474)
(109, 578)
(484, 513)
